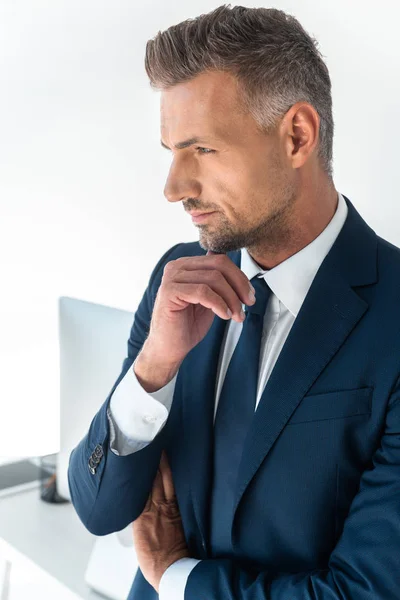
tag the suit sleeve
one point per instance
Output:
(109, 491)
(365, 563)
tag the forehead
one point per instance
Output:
(209, 99)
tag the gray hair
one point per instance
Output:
(275, 61)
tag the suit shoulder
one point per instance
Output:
(189, 249)
(177, 251)
(182, 249)
(388, 253)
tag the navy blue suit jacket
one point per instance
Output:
(317, 509)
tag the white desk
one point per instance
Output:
(51, 536)
(24, 580)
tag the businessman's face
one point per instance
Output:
(233, 169)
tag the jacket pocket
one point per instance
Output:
(333, 405)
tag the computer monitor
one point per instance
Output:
(93, 345)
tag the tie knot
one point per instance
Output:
(262, 292)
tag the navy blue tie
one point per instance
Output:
(235, 411)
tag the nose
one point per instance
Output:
(181, 182)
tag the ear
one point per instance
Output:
(300, 130)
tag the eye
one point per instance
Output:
(208, 151)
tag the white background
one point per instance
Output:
(82, 211)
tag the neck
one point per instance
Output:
(312, 212)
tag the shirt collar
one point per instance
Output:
(292, 278)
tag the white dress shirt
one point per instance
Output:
(136, 416)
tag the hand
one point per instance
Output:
(158, 532)
(192, 290)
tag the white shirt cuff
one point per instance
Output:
(173, 582)
(137, 416)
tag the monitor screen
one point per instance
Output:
(93, 345)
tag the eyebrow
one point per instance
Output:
(186, 143)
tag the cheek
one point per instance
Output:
(235, 184)
(237, 187)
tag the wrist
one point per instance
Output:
(161, 569)
(153, 372)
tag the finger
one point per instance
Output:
(168, 482)
(238, 272)
(236, 278)
(216, 283)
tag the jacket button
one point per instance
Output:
(92, 466)
(98, 451)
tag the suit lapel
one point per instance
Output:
(329, 313)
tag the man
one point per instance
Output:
(257, 457)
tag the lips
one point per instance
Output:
(200, 217)
(198, 213)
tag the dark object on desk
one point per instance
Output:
(18, 473)
(48, 480)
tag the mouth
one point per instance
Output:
(199, 217)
